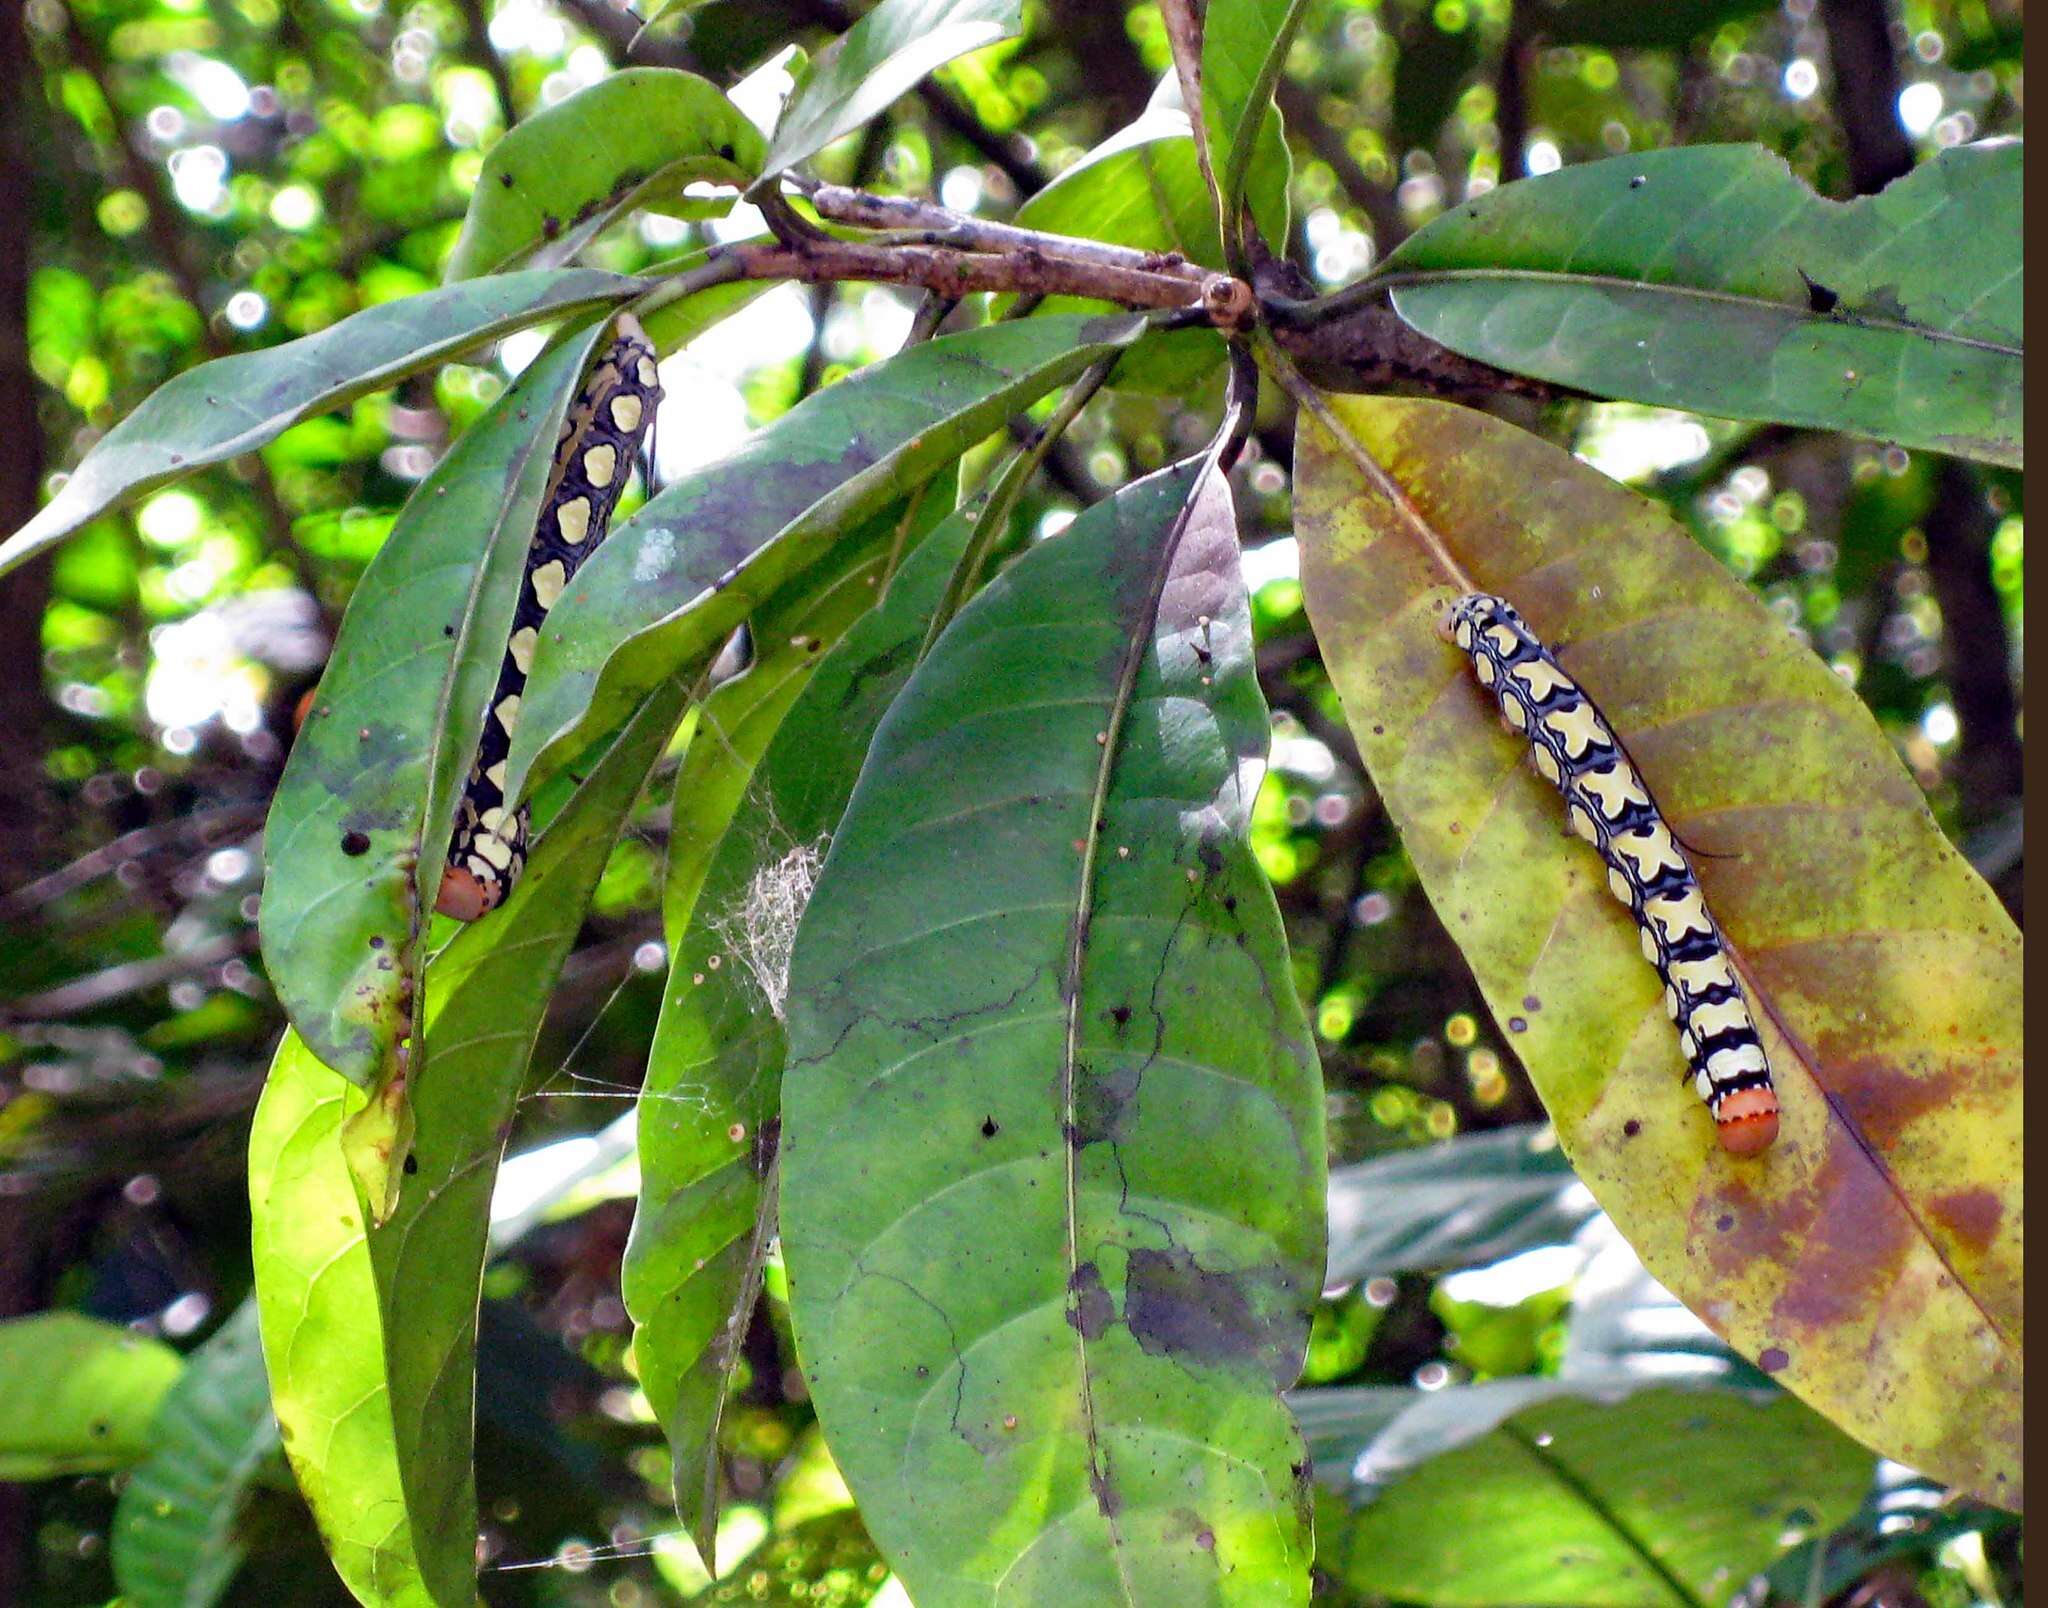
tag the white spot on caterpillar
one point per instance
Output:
(1707, 1020)
(496, 776)
(600, 464)
(508, 712)
(524, 640)
(495, 852)
(1614, 788)
(572, 519)
(1542, 679)
(1650, 850)
(645, 369)
(1697, 976)
(549, 580)
(626, 413)
(1677, 914)
(1723, 1065)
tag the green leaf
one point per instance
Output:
(1584, 1497)
(359, 826)
(174, 1534)
(371, 1339)
(683, 572)
(1244, 43)
(1712, 279)
(80, 1394)
(1467, 1201)
(1052, 1149)
(234, 404)
(693, 1262)
(565, 173)
(1870, 1261)
(1220, 49)
(875, 63)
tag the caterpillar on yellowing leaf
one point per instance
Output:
(1606, 803)
(594, 456)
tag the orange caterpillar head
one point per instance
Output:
(466, 896)
(1747, 1121)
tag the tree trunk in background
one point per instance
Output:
(24, 733)
(23, 729)
(1866, 73)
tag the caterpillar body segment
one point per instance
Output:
(1606, 803)
(594, 456)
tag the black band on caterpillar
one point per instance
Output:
(1606, 803)
(594, 457)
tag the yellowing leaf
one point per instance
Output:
(1870, 1261)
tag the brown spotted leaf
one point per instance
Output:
(1870, 1260)
(1052, 1165)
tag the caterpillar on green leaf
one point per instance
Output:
(1606, 803)
(594, 456)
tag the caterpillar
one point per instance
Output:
(1606, 803)
(594, 455)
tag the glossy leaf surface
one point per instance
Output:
(1584, 1498)
(876, 62)
(686, 569)
(1052, 1148)
(557, 179)
(235, 404)
(1712, 279)
(174, 1537)
(1473, 1199)
(371, 1339)
(1870, 1261)
(358, 829)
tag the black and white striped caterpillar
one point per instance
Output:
(594, 456)
(1607, 804)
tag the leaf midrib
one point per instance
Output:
(1422, 278)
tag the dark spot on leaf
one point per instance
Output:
(505, 179)
(1531, 1003)
(1177, 1308)
(1638, 181)
(354, 843)
(1819, 299)
(923, 1372)
(1631, 1128)
(1092, 1311)
(1972, 1215)
(1725, 1221)
(550, 225)
(1120, 1014)
(377, 941)
(99, 1427)
(1517, 1024)
(412, 1165)
(1104, 1104)
(990, 1127)
(1230, 903)
(1773, 1358)
(447, 630)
